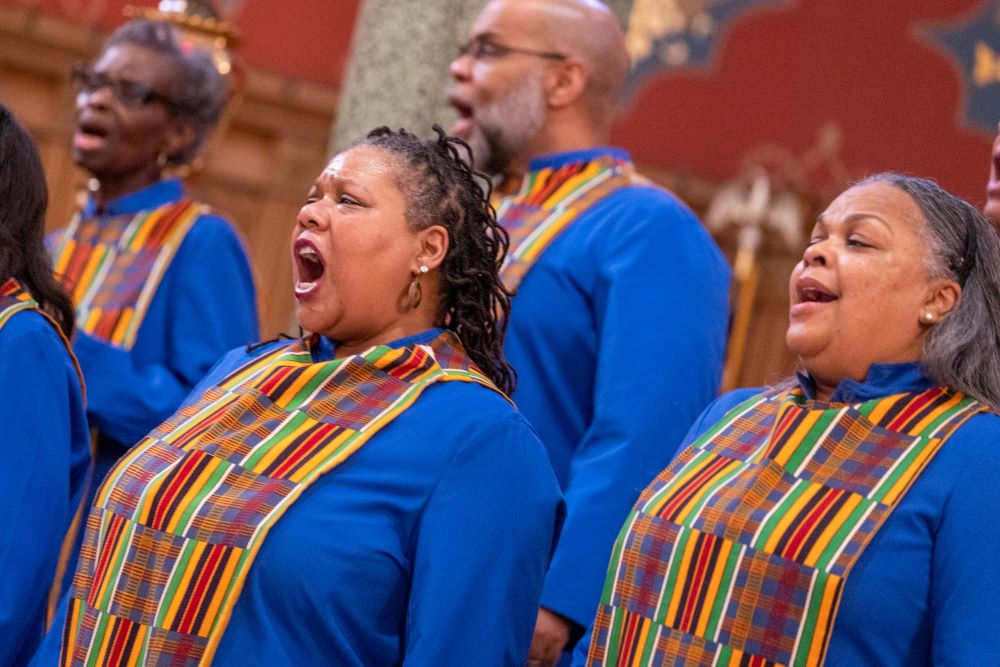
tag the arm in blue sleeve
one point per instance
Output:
(965, 577)
(481, 550)
(661, 311)
(40, 409)
(211, 309)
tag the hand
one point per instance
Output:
(551, 637)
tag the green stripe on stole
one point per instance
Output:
(779, 490)
(164, 560)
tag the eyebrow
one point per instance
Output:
(855, 217)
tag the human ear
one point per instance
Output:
(433, 247)
(178, 137)
(565, 83)
(942, 296)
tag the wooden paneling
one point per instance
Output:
(256, 174)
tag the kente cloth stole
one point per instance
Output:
(112, 267)
(738, 552)
(175, 527)
(14, 299)
(549, 201)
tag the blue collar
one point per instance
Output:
(325, 348)
(153, 196)
(586, 155)
(882, 380)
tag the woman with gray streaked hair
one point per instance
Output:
(161, 286)
(849, 516)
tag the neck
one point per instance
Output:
(116, 187)
(560, 135)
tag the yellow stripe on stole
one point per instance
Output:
(718, 569)
(90, 269)
(791, 516)
(656, 504)
(305, 377)
(682, 574)
(573, 182)
(65, 253)
(827, 609)
(911, 472)
(838, 521)
(281, 446)
(181, 591)
(541, 242)
(182, 502)
(790, 441)
(705, 489)
(881, 409)
(952, 401)
(146, 227)
(121, 326)
(219, 596)
(92, 317)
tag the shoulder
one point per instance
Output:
(718, 408)
(973, 450)
(211, 227)
(236, 358)
(29, 326)
(647, 203)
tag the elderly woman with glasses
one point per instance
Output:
(850, 515)
(161, 286)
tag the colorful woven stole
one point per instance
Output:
(112, 267)
(548, 202)
(738, 552)
(14, 299)
(175, 528)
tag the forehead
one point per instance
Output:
(366, 165)
(507, 18)
(887, 202)
(135, 62)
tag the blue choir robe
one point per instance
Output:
(428, 546)
(45, 449)
(926, 589)
(204, 307)
(617, 333)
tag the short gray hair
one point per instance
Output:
(200, 91)
(962, 352)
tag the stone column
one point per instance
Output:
(398, 72)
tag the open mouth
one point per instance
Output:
(813, 291)
(309, 267)
(89, 136)
(465, 113)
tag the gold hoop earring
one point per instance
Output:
(415, 294)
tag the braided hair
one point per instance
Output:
(442, 189)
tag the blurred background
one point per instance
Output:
(755, 112)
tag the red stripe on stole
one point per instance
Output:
(115, 527)
(275, 379)
(196, 597)
(121, 639)
(556, 179)
(74, 269)
(170, 492)
(164, 225)
(697, 582)
(914, 407)
(203, 426)
(814, 516)
(786, 422)
(630, 636)
(691, 487)
(414, 362)
(302, 450)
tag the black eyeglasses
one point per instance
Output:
(131, 94)
(483, 49)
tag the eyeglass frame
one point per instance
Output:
(86, 80)
(474, 48)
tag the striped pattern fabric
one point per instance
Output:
(13, 299)
(548, 202)
(738, 552)
(175, 527)
(112, 267)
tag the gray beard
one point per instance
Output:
(502, 129)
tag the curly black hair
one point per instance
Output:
(23, 199)
(442, 189)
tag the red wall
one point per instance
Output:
(780, 74)
(303, 38)
(785, 71)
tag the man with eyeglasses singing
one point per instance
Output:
(617, 330)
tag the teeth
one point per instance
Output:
(306, 252)
(302, 288)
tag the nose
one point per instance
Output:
(816, 254)
(99, 98)
(311, 217)
(459, 67)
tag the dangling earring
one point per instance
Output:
(161, 160)
(415, 293)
